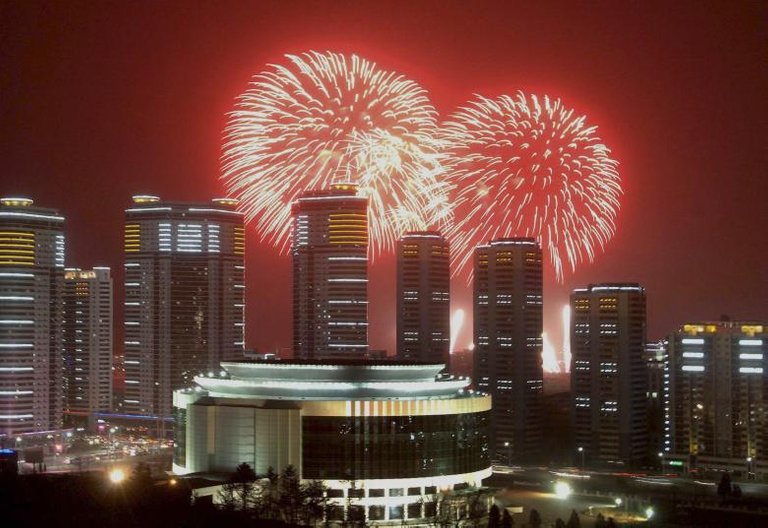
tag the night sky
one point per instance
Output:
(103, 100)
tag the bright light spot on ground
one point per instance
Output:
(116, 476)
(563, 490)
(648, 512)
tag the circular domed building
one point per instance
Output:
(387, 437)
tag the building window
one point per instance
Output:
(414, 511)
(395, 512)
(376, 513)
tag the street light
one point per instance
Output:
(509, 453)
(116, 476)
(563, 490)
(661, 456)
(581, 450)
(749, 468)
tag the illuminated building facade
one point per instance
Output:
(423, 297)
(655, 361)
(31, 287)
(608, 373)
(718, 396)
(330, 274)
(88, 343)
(184, 297)
(508, 323)
(384, 437)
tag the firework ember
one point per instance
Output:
(529, 166)
(323, 118)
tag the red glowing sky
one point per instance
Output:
(102, 101)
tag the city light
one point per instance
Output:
(649, 512)
(457, 320)
(116, 476)
(563, 490)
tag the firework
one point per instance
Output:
(323, 118)
(529, 166)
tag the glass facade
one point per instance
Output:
(388, 447)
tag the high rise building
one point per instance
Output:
(88, 343)
(716, 411)
(508, 326)
(330, 274)
(655, 361)
(184, 296)
(423, 297)
(31, 282)
(608, 373)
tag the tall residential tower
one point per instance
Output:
(508, 323)
(31, 283)
(608, 373)
(184, 296)
(88, 343)
(718, 395)
(423, 298)
(330, 274)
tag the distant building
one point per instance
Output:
(184, 297)
(330, 274)
(655, 361)
(31, 288)
(386, 438)
(608, 373)
(718, 396)
(508, 326)
(87, 343)
(423, 297)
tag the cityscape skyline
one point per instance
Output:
(694, 106)
(365, 263)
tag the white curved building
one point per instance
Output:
(384, 437)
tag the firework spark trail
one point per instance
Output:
(529, 166)
(327, 117)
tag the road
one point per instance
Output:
(614, 494)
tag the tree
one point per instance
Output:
(600, 521)
(559, 523)
(534, 519)
(574, 521)
(737, 491)
(506, 520)
(494, 517)
(611, 523)
(290, 495)
(240, 490)
(313, 502)
(267, 505)
(724, 489)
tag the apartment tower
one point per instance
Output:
(423, 298)
(508, 326)
(330, 274)
(184, 297)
